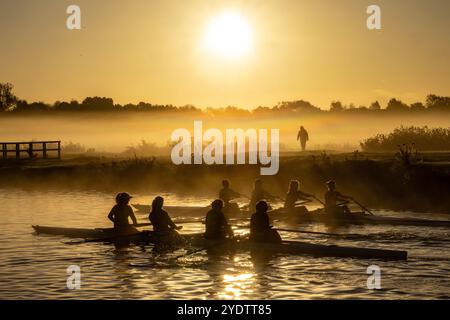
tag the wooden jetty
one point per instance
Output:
(32, 149)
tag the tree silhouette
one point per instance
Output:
(336, 106)
(396, 105)
(9, 102)
(97, 103)
(418, 106)
(375, 106)
(7, 99)
(434, 102)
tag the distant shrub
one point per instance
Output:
(144, 149)
(71, 147)
(423, 139)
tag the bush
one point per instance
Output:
(423, 138)
(73, 148)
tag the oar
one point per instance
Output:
(190, 253)
(301, 203)
(106, 239)
(245, 207)
(319, 200)
(363, 207)
(311, 232)
(298, 231)
(147, 224)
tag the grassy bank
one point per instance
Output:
(378, 180)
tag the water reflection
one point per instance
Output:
(34, 267)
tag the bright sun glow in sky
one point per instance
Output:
(228, 36)
(245, 53)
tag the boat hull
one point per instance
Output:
(300, 248)
(315, 216)
(197, 240)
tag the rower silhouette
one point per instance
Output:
(226, 194)
(294, 195)
(216, 224)
(259, 194)
(120, 213)
(336, 202)
(160, 219)
(260, 228)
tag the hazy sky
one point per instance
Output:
(150, 50)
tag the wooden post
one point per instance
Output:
(44, 150)
(59, 149)
(4, 151)
(17, 150)
(30, 150)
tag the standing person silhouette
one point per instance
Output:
(303, 137)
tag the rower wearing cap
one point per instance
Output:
(120, 213)
(332, 196)
(260, 228)
(162, 223)
(216, 224)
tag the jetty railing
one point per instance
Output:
(31, 149)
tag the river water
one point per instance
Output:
(35, 267)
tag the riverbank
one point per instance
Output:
(377, 180)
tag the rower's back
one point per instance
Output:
(120, 214)
(291, 198)
(260, 229)
(331, 199)
(216, 224)
(225, 194)
(332, 196)
(259, 224)
(160, 220)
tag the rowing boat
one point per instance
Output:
(314, 216)
(179, 210)
(301, 248)
(81, 233)
(197, 240)
(99, 234)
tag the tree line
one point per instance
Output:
(10, 103)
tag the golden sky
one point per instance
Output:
(152, 50)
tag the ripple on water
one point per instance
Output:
(35, 267)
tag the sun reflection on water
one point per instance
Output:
(235, 285)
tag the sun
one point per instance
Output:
(228, 36)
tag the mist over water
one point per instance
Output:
(113, 132)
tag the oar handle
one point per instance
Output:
(147, 224)
(319, 200)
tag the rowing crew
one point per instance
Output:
(216, 224)
(335, 202)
